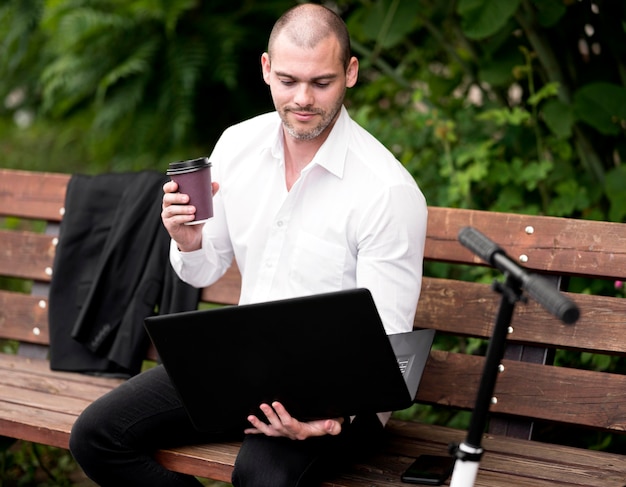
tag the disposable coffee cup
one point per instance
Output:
(194, 179)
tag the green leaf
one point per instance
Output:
(509, 198)
(549, 90)
(504, 116)
(603, 106)
(615, 183)
(549, 12)
(498, 70)
(570, 197)
(602, 362)
(559, 118)
(139, 62)
(389, 21)
(482, 18)
(533, 172)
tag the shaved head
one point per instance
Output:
(307, 24)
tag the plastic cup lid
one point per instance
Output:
(191, 165)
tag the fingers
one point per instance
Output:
(281, 423)
(332, 427)
(170, 187)
(171, 196)
(278, 412)
(253, 420)
(175, 212)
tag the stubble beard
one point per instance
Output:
(328, 118)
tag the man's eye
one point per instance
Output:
(322, 84)
(286, 82)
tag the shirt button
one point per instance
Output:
(279, 223)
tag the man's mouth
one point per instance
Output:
(303, 115)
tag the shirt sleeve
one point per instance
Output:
(392, 237)
(205, 266)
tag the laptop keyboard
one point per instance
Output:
(403, 363)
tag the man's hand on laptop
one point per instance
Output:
(281, 423)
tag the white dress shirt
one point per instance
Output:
(354, 218)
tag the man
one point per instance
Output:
(305, 201)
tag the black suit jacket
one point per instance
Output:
(111, 270)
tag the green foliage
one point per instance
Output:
(133, 84)
(8, 346)
(511, 106)
(490, 114)
(27, 464)
(603, 106)
(482, 19)
(614, 187)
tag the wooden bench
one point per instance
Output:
(39, 405)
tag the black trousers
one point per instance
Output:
(114, 439)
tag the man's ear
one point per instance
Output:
(266, 67)
(352, 73)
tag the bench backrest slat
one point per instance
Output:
(555, 245)
(26, 255)
(521, 390)
(41, 197)
(226, 290)
(600, 323)
(24, 318)
(469, 309)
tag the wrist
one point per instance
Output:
(185, 248)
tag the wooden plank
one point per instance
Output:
(37, 195)
(557, 245)
(577, 397)
(41, 368)
(28, 385)
(27, 255)
(214, 461)
(48, 400)
(445, 304)
(33, 424)
(24, 318)
(226, 290)
(39, 404)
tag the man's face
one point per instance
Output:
(307, 85)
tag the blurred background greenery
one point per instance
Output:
(510, 106)
(515, 106)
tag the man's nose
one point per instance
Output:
(304, 95)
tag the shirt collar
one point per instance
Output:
(331, 155)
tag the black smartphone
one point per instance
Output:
(429, 470)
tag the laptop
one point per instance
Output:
(322, 356)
